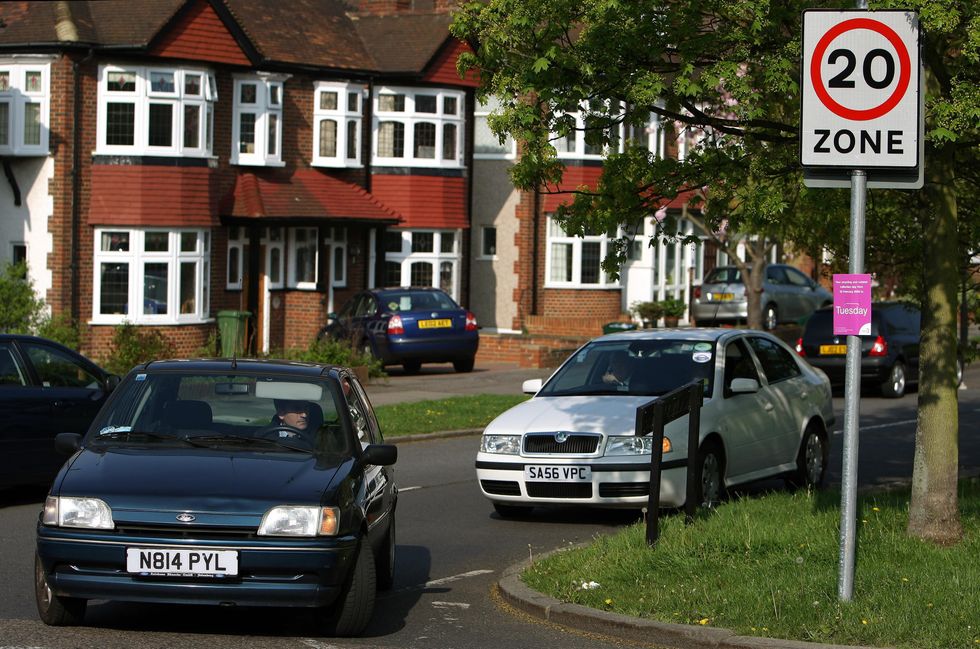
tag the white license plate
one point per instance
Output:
(559, 473)
(198, 562)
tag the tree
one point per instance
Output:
(729, 69)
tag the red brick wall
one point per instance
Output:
(200, 36)
(60, 187)
(186, 339)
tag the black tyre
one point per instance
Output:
(384, 562)
(811, 461)
(412, 367)
(770, 317)
(511, 511)
(710, 483)
(894, 386)
(52, 609)
(351, 613)
(464, 365)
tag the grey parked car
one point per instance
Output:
(787, 296)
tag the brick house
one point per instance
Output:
(168, 159)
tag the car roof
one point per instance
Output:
(707, 334)
(238, 365)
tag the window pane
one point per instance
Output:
(4, 80)
(246, 133)
(561, 262)
(121, 81)
(188, 284)
(393, 273)
(4, 123)
(328, 101)
(115, 241)
(160, 131)
(446, 276)
(273, 143)
(421, 272)
(590, 262)
(120, 124)
(338, 263)
(275, 90)
(162, 82)
(353, 102)
(33, 81)
(449, 105)
(395, 103)
(447, 242)
(422, 242)
(156, 242)
(188, 241)
(209, 129)
(114, 289)
(32, 124)
(352, 139)
(425, 140)
(275, 234)
(425, 103)
(155, 288)
(489, 242)
(247, 93)
(391, 140)
(192, 84)
(449, 142)
(328, 138)
(234, 265)
(192, 127)
(275, 265)
(393, 241)
(484, 140)
(305, 255)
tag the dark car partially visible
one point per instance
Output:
(45, 389)
(889, 354)
(409, 326)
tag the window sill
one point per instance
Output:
(258, 163)
(585, 287)
(169, 322)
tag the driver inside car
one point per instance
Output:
(293, 414)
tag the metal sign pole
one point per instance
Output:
(852, 402)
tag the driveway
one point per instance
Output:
(440, 381)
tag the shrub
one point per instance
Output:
(335, 352)
(133, 345)
(22, 310)
(647, 312)
(672, 308)
(61, 328)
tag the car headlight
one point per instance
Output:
(634, 445)
(293, 520)
(90, 513)
(505, 444)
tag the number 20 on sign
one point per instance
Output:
(860, 95)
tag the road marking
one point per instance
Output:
(402, 490)
(462, 605)
(446, 580)
(877, 426)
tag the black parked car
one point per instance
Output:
(889, 355)
(224, 482)
(45, 389)
(410, 326)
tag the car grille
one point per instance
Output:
(501, 487)
(558, 490)
(577, 443)
(169, 532)
(623, 489)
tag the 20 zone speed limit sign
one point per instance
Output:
(860, 89)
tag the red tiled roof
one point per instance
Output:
(307, 193)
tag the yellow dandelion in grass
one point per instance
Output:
(609, 601)
(875, 509)
(864, 621)
(703, 621)
(905, 578)
(929, 605)
(864, 520)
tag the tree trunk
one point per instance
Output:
(934, 509)
(753, 284)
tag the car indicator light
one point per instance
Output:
(879, 347)
(329, 521)
(395, 326)
(470, 322)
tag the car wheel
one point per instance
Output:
(511, 511)
(811, 461)
(894, 386)
(55, 610)
(770, 317)
(412, 367)
(350, 614)
(710, 483)
(464, 365)
(384, 563)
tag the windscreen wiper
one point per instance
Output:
(207, 440)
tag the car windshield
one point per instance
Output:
(724, 275)
(253, 411)
(395, 301)
(634, 368)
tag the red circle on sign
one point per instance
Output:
(904, 64)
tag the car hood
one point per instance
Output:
(611, 415)
(134, 481)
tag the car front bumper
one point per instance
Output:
(271, 572)
(618, 484)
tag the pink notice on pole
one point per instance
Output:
(852, 305)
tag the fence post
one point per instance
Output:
(696, 399)
(656, 457)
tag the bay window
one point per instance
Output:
(423, 258)
(418, 127)
(303, 259)
(257, 121)
(24, 107)
(148, 276)
(155, 111)
(575, 262)
(337, 116)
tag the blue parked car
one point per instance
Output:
(224, 482)
(410, 326)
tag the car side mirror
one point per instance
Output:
(379, 455)
(531, 386)
(112, 382)
(68, 443)
(744, 386)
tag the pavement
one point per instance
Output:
(441, 382)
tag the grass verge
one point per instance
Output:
(768, 567)
(456, 413)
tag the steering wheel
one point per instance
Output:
(274, 433)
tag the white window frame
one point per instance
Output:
(18, 96)
(436, 257)
(410, 117)
(557, 235)
(267, 89)
(136, 258)
(336, 243)
(343, 115)
(143, 96)
(293, 282)
(651, 131)
(237, 240)
(481, 113)
(481, 253)
(271, 244)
